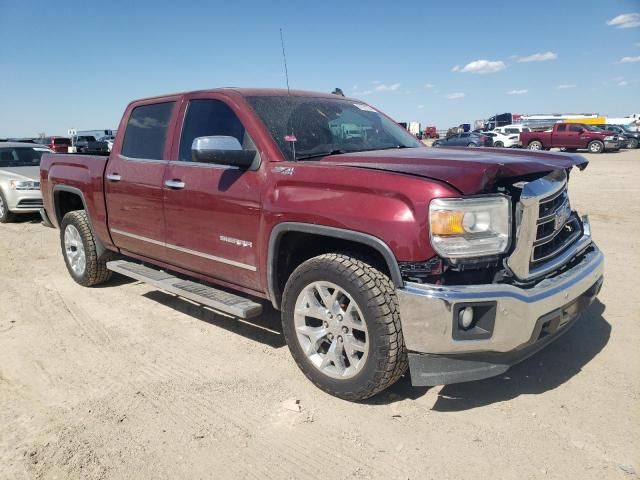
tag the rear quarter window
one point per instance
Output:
(146, 132)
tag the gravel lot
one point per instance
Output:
(124, 381)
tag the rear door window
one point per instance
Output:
(146, 132)
(575, 128)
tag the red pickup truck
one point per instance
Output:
(382, 254)
(571, 137)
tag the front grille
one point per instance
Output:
(557, 227)
(547, 230)
(30, 203)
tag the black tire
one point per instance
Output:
(595, 146)
(436, 144)
(498, 144)
(535, 145)
(375, 295)
(472, 145)
(5, 215)
(632, 143)
(95, 271)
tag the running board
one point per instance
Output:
(211, 297)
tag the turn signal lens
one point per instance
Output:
(447, 222)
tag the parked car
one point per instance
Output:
(571, 137)
(109, 139)
(512, 129)
(20, 179)
(57, 144)
(631, 138)
(501, 140)
(466, 139)
(89, 144)
(381, 253)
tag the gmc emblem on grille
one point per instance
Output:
(562, 216)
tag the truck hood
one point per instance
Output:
(470, 170)
(21, 173)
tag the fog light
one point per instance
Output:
(465, 318)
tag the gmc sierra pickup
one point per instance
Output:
(571, 137)
(382, 254)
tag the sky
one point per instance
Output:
(76, 64)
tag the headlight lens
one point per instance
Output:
(470, 227)
(24, 185)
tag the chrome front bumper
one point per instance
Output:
(525, 321)
(426, 311)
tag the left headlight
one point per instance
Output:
(470, 227)
(24, 185)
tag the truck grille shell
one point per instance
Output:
(545, 227)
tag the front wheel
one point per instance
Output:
(80, 252)
(5, 215)
(596, 146)
(341, 321)
(632, 143)
(471, 145)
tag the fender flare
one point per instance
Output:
(321, 230)
(100, 248)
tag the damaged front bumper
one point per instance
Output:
(511, 322)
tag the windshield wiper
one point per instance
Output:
(323, 154)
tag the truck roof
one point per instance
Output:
(253, 92)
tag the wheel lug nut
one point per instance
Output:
(339, 338)
(329, 314)
(326, 324)
(345, 329)
(339, 318)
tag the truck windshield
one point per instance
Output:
(307, 127)
(21, 156)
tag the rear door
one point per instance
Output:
(574, 136)
(134, 179)
(213, 211)
(560, 136)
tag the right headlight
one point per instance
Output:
(470, 227)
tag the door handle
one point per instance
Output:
(114, 177)
(175, 184)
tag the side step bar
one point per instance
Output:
(217, 299)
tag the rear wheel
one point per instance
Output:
(498, 144)
(535, 145)
(341, 320)
(5, 215)
(595, 146)
(79, 250)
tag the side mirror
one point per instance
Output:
(223, 150)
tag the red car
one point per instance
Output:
(57, 144)
(382, 254)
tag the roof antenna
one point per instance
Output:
(284, 58)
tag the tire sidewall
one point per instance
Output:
(632, 143)
(72, 220)
(325, 271)
(7, 216)
(535, 143)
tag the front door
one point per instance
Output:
(212, 211)
(134, 181)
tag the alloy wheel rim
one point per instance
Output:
(1, 207)
(74, 250)
(595, 147)
(331, 330)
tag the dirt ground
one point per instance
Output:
(124, 381)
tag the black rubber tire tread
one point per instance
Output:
(8, 216)
(598, 142)
(96, 271)
(498, 144)
(390, 355)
